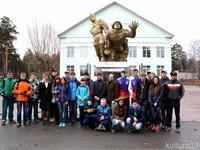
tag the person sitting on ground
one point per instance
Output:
(89, 114)
(103, 115)
(135, 118)
(119, 114)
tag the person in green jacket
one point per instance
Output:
(6, 87)
(82, 94)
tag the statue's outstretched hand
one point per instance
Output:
(134, 25)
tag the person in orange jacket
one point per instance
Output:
(22, 90)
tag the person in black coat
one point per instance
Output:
(142, 92)
(99, 89)
(45, 96)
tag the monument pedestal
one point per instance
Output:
(111, 67)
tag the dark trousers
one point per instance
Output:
(89, 120)
(51, 110)
(56, 113)
(33, 105)
(45, 116)
(164, 111)
(72, 111)
(7, 103)
(127, 103)
(146, 109)
(81, 109)
(176, 105)
(19, 111)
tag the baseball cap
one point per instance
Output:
(173, 73)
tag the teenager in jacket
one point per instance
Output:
(54, 100)
(103, 115)
(135, 119)
(133, 84)
(112, 89)
(89, 114)
(165, 103)
(119, 115)
(142, 93)
(175, 92)
(155, 99)
(63, 101)
(82, 94)
(123, 82)
(89, 82)
(45, 96)
(99, 89)
(6, 87)
(33, 100)
(23, 90)
(73, 86)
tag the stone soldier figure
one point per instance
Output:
(98, 29)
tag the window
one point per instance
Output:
(70, 51)
(146, 51)
(146, 69)
(70, 68)
(160, 52)
(132, 51)
(83, 51)
(83, 69)
(159, 70)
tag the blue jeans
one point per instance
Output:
(72, 111)
(19, 111)
(7, 103)
(129, 122)
(62, 112)
(32, 105)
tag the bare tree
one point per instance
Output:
(194, 54)
(44, 45)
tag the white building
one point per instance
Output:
(150, 50)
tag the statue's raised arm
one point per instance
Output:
(133, 28)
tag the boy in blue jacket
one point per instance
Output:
(135, 118)
(103, 115)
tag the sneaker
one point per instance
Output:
(18, 124)
(178, 130)
(60, 125)
(3, 123)
(99, 127)
(63, 125)
(12, 122)
(153, 127)
(27, 123)
(51, 120)
(168, 129)
(103, 128)
(113, 130)
(163, 127)
(157, 129)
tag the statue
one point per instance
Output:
(98, 30)
(113, 45)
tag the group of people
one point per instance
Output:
(138, 101)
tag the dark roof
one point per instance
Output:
(111, 4)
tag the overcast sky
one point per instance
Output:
(179, 17)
